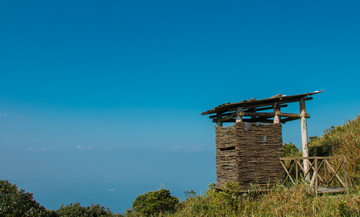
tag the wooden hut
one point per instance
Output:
(248, 151)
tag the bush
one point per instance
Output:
(75, 210)
(14, 202)
(290, 150)
(154, 203)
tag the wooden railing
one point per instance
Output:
(324, 174)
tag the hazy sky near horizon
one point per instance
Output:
(100, 101)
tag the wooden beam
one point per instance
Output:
(259, 119)
(223, 115)
(311, 158)
(272, 114)
(276, 96)
(247, 110)
(233, 115)
(270, 107)
(284, 120)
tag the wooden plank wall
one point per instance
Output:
(249, 153)
(226, 157)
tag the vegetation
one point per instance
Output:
(280, 201)
(290, 150)
(15, 202)
(294, 201)
(75, 210)
(153, 203)
(341, 140)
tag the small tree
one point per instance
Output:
(154, 202)
(14, 202)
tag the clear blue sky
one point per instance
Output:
(100, 101)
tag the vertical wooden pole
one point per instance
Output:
(276, 111)
(346, 174)
(296, 170)
(316, 174)
(219, 116)
(325, 173)
(304, 139)
(238, 116)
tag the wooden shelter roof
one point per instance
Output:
(253, 103)
(248, 110)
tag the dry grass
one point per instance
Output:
(341, 140)
(281, 201)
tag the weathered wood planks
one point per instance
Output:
(249, 153)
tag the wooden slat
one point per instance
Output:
(276, 96)
(315, 166)
(318, 175)
(261, 119)
(328, 190)
(269, 107)
(287, 172)
(310, 158)
(247, 110)
(308, 169)
(284, 120)
(335, 174)
(272, 114)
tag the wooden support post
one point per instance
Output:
(316, 174)
(219, 122)
(325, 174)
(238, 116)
(346, 174)
(297, 170)
(304, 139)
(276, 112)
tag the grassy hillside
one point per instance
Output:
(283, 201)
(279, 202)
(341, 140)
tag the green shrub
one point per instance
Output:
(290, 150)
(225, 202)
(154, 202)
(75, 210)
(14, 202)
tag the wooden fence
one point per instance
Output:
(324, 174)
